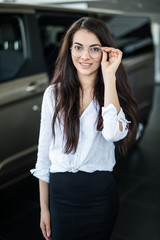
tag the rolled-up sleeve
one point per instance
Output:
(43, 163)
(111, 119)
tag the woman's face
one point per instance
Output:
(86, 53)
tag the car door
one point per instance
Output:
(132, 34)
(23, 79)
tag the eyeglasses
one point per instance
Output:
(94, 52)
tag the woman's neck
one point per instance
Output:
(87, 82)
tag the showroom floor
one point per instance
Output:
(138, 180)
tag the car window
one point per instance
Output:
(52, 30)
(51, 38)
(12, 49)
(131, 34)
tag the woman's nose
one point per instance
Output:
(85, 54)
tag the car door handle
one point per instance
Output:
(31, 88)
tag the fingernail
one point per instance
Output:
(48, 234)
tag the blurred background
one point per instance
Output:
(30, 37)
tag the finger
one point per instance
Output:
(104, 56)
(107, 48)
(111, 54)
(118, 52)
(46, 234)
(48, 229)
(110, 49)
(115, 54)
(43, 229)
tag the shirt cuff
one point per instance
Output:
(41, 174)
(111, 110)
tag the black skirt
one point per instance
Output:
(83, 206)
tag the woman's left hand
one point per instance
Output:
(111, 63)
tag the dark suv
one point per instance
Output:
(30, 37)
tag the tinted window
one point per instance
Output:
(12, 50)
(52, 29)
(131, 34)
(51, 38)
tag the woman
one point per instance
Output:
(86, 110)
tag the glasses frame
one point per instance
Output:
(87, 50)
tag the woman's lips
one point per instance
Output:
(85, 65)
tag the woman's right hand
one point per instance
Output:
(45, 224)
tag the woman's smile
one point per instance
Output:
(85, 65)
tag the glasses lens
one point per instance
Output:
(95, 52)
(77, 51)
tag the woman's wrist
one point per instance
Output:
(109, 78)
(44, 207)
(109, 81)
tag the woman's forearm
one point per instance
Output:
(111, 60)
(44, 195)
(110, 93)
(111, 96)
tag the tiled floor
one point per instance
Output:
(138, 180)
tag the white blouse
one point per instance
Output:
(95, 150)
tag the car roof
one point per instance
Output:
(31, 8)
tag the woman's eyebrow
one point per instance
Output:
(78, 43)
(92, 45)
(95, 45)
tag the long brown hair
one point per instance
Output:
(66, 93)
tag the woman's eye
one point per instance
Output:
(95, 49)
(78, 48)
